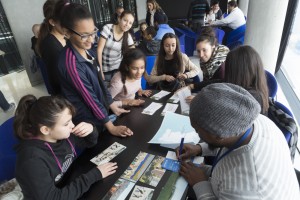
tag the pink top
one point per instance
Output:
(116, 88)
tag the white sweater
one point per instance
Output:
(234, 20)
(261, 169)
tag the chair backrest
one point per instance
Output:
(149, 65)
(236, 34)
(219, 35)
(283, 118)
(7, 154)
(272, 84)
(189, 40)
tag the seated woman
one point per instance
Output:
(141, 32)
(127, 81)
(172, 68)
(212, 55)
(244, 67)
(148, 45)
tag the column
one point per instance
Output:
(243, 5)
(265, 22)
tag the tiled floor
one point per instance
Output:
(17, 84)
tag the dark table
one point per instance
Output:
(144, 128)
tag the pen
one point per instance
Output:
(181, 146)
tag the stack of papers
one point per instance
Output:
(160, 95)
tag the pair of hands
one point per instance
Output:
(83, 129)
(146, 93)
(172, 78)
(188, 170)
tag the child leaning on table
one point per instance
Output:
(127, 81)
(46, 149)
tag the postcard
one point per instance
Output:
(160, 95)
(141, 193)
(119, 190)
(170, 107)
(108, 154)
(152, 108)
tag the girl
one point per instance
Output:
(212, 56)
(83, 85)
(127, 81)
(114, 41)
(50, 42)
(171, 67)
(153, 9)
(46, 149)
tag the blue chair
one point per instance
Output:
(219, 35)
(150, 60)
(237, 34)
(235, 44)
(189, 40)
(7, 154)
(272, 84)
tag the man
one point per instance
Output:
(148, 45)
(253, 159)
(161, 24)
(116, 15)
(197, 11)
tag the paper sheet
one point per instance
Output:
(160, 95)
(170, 107)
(173, 99)
(152, 108)
(108, 154)
(183, 93)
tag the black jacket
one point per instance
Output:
(39, 174)
(150, 47)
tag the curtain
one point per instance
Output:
(287, 28)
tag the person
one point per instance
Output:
(215, 11)
(148, 45)
(46, 149)
(141, 32)
(234, 20)
(212, 55)
(35, 31)
(114, 41)
(171, 68)
(117, 14)
(127, 81)
(243, 67)
(253, 159)
(153, 9)
(196, 13)
(162, 26)
(5, 106)
(83, 84)
(50, 42)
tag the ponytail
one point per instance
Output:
(207, 34)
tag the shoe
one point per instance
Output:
(12, 106)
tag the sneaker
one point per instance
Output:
(11, 107)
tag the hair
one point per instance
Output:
(208, 35)
(150, 30)
(129, 57)
(125, 46)
(70, 13)
(161, 54)
(244, 67)
(232, 3)
(119, 7)
(156, 6)
(45, 29)
(33, 113)
(214, 3)
(160, 18)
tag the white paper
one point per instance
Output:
(170, 107)
(160, 95)
(183, 93)
(108, 154)
(174, 99)
(152, 108)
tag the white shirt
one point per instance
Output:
(234, 20)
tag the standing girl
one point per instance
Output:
(127, 81)
(171, 67)
(153, 9)
(46, 149)
(114, 41)
(83, 85)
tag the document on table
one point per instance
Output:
(160, 95)
(174, 99)
(182, 94)
(170, 107)
(108, 154)
(152, 108)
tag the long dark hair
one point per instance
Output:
(32, 113)
(162, 54)
(244, 67)
(45, 29)
(125, 46)
(129, 57)
(156, 6)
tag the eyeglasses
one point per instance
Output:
(85, 37)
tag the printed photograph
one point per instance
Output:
(119, 190)
(141, 193)
(108, 154)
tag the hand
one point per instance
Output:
(121, 131)
(107, 169)
(189, 99)
(116, 110)
(83, 129)
(191, 173)
(146, 93)
(169, 78)
(182, 77)
(102, 74)
(135, 102)
(188, 150)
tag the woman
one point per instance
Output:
(50, 42)
(153, 9)
(172, 68)
(127, 81)
(244, 67)
(83, 85)
(114, 41)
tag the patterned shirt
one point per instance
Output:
(112, 53)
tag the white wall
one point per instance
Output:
(21, 15)
(141, 10)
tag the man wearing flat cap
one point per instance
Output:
(252, 156)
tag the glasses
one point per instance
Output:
(85, 37)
